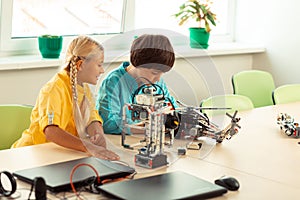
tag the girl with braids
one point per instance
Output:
(65, 112)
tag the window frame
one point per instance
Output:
(30, 46)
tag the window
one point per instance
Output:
(159, 14)
(69, 17)
(23, 20)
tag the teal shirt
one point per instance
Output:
(115, 91)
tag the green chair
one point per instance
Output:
(14, 119)
(255, 84)
(232, 101)
(286, 94)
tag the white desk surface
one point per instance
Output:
(265, 161)
(261, 149)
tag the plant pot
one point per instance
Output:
(199, 38)
(50, 46)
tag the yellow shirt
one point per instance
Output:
(55, 106)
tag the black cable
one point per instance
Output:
(136, 92)
(139, 88)
(32, 186)
(155, 86)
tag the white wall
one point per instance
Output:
(22, 85)
(276, 24)
(191, 80)
(194, 79)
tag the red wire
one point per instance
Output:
(73, 171)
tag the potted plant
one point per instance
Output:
(200, 11)
(50, 45)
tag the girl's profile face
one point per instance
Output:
(91, 69)
(152, 75)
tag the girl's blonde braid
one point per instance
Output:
(73, 76)
(81, 116)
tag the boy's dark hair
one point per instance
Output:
(152, 51)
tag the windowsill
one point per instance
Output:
(219, 49)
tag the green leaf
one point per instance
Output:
(211, 19)
(193, 9)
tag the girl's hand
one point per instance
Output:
(96, 133)
(97, 147)
(102, 153)
(98, 139)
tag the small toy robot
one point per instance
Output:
(288, 126)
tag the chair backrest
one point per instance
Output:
(286, 94)
(233, 101)
(14, 119)
(255, 84)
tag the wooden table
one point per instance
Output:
(261, 149)
(265, 161)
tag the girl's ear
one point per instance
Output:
(78, 64)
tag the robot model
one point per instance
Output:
(162, 124)
(288, 126)
(195, 124)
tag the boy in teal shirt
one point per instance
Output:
(150, 56)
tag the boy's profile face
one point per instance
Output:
(152, 75)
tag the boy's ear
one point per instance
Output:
(78, 64)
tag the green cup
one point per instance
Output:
(50, 45)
